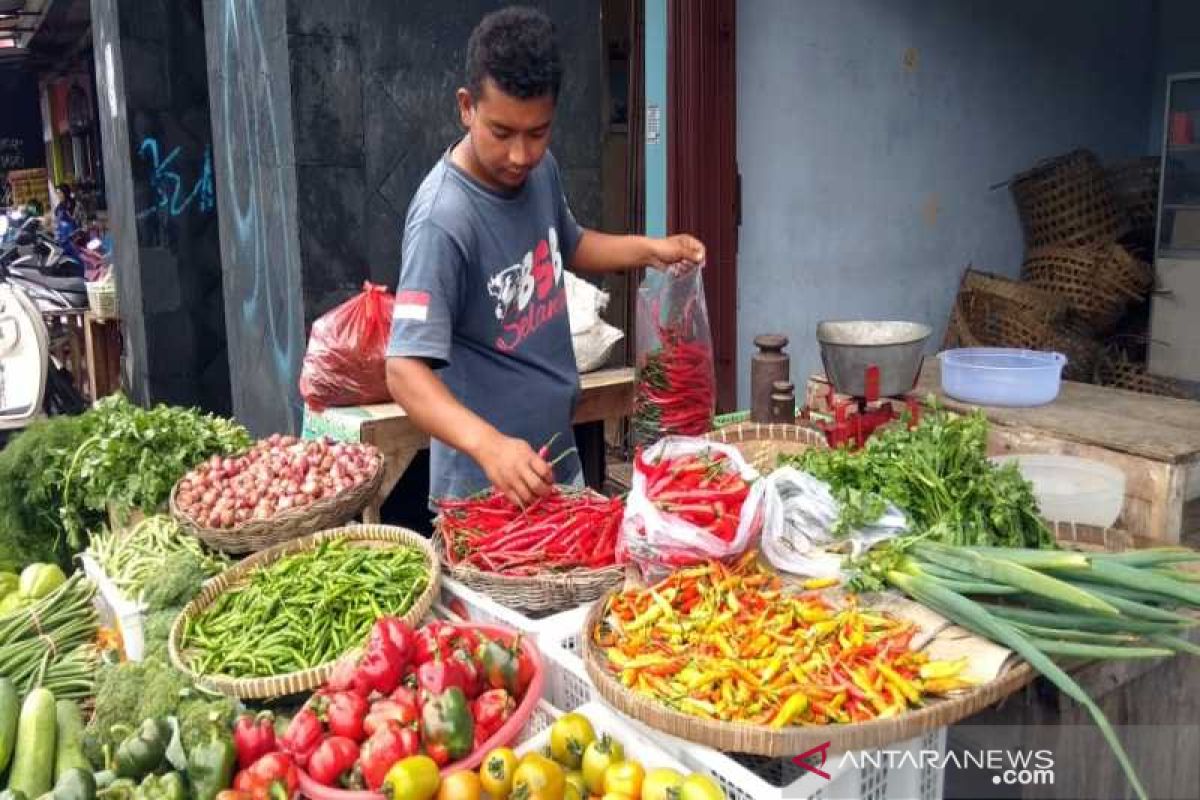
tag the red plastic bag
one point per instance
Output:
(345, 362)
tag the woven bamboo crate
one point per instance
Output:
(1067, 200)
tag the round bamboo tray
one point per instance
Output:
(786, 742)
(552, 591)
(762, 444)
(373, 536)
(255, 535)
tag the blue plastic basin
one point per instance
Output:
(1002, 376)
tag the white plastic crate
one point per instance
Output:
(541, 719)
(116, 609)
(745, 777)
(637, 743)
(477, 607)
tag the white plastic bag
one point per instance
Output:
(593, 346)
(584, 303)
(798, 515)
(658, 542)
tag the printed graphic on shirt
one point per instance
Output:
(411, 305)
(529, 294)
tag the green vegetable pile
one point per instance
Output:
(938, 474)
(155, 562)
(303, 610)
(1043, 603)
(48, 642)
(58, 476)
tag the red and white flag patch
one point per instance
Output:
(411, 306)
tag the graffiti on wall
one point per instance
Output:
(12, 153)
(170, 197)
(259, 226)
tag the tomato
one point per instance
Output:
(463, 785)
(413, 778)
(538, 777)
(624, 777)
(659, 784)
(700, 787)
(575, 778)
(496, 772)
(597, 758)
(569, 737)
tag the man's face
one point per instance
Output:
(509, 136)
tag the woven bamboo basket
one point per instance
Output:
(1074, 273)
(1044, 304)
(762, 444)
(552, 591)
(255, 535)
(373, 536)
(1121, 373)
(1135, 189)
(1067, 201)
(1116, 265)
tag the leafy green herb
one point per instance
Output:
(939, 475)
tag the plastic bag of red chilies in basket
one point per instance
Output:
(676, 387)
(345, 364)
(686, 506)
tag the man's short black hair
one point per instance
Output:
(517, 47)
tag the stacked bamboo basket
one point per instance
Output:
(1086, 276)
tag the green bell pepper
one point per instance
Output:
(501, 666)
(447, 723)
(211, 763)
(119, 789)
(39, 580)
(162, 787)
(142, 751)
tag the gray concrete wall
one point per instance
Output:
(326, 117)
(157, 143)
(865, 174)
(249, 73)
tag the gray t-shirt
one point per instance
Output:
(482, 298)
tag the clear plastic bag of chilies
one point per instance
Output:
(676, 387)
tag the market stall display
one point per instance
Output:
(275, 623)
(279, 489)
(557, 553)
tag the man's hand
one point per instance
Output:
(515, 469)
(680, 249)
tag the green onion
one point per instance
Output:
(1121, 575)
(961, 609)
(1056, 619)
(1035, 559)
(1072, 635)
(1108, 652)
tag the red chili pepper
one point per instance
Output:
(344, 711)
(333, 760)
(303, 734)
(254, 737)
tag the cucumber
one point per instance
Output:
(68, 751)
(33, 763)
(10, 711)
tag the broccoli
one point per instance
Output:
(156, 629)
(128, 693)
(193, 715)
(185, 574)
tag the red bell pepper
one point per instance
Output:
(272, 777)
(388, 711)
(344, 712)
(254, 737)
(506, 667)
(333, 760)
(491, 710)
(406, 695)
(472, 674)
(389, 744)
(342, 679)
(434, 640)
(435, 677)
(397, 635)
(303, 734)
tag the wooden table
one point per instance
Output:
(1155, 441)
(605, 395)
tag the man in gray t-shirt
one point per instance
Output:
(481, 298)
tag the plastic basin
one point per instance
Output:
(1070, 489)
(1002, 376)
(501, 738)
